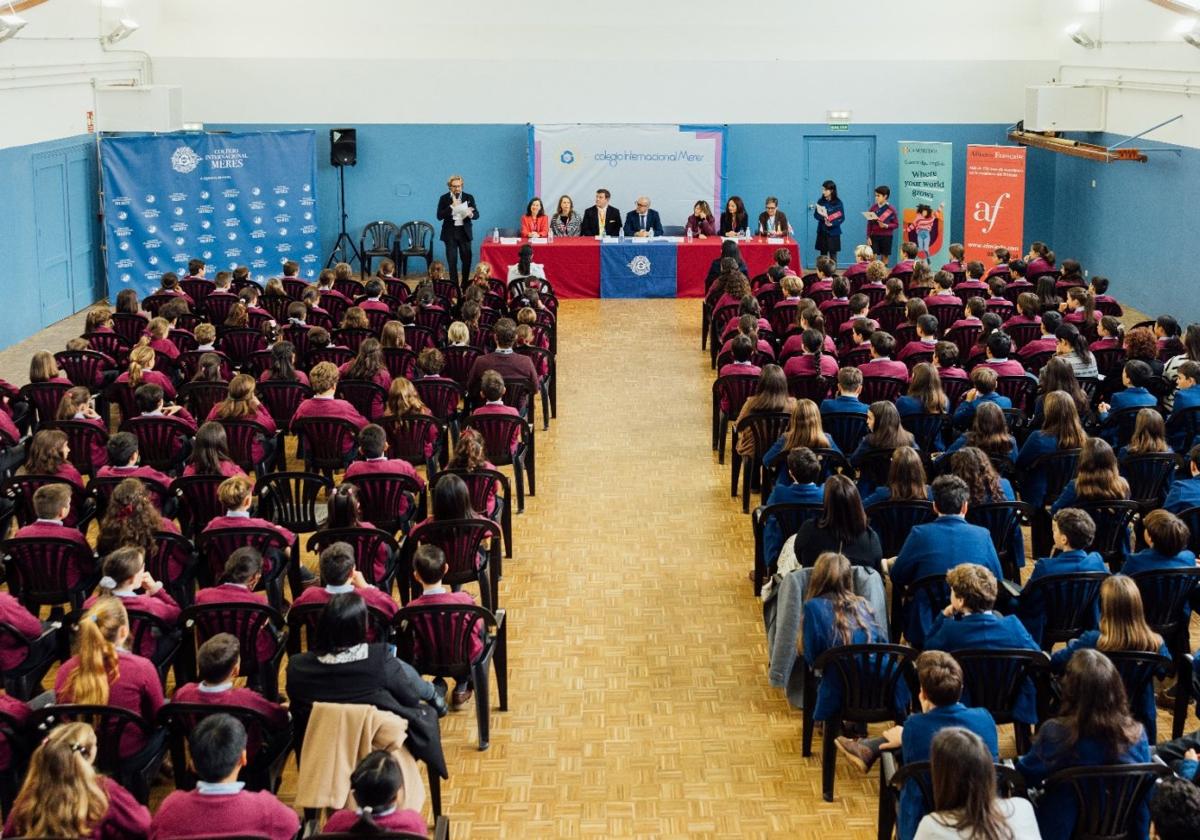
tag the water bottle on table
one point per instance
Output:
(496, 234)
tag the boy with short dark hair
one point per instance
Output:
(1167, 538)
(52, 506)
(218, 664)
(943, 282)
(881, 364)
(339, 575)
(1187, 396)
(123, 461)
(1073, 531)
(849, 386)
(945, 359)
(998, 349)
(372, 449)
(984, 380)
(742, 348)
(927, 333)
(800, 485)
(374, 289)
(882, 228)
(1099, 286)
(429, 567)
(908, 253)
(974, 281)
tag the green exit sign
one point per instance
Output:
(839, 126)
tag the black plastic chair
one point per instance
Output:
(24, 679)
(1067, 604)
(43, 399)
(19, 489)
(1009, 783)
(85, 368)
(437, 639)
(82, 438)
(1108, 798)
(846, 428)
(927, 429)
(282, 399)
(153, 638)
(200, 397)
(994, 678)
(498, 431)
(160, 441)
(366, 543)
(368, 398)
(1149, 476)
(1003, 521)
(111, 723)
(173, 562)
(197, 501)
(179, 719)
(303, 619)
(408, 437)
(419, 239)
(1113, 520)
(100, 491)
(189, 361)
(337, 356)
(443, 398)
(248, 623)
(1020, 389)
(1139, 669)
(892, 521)
(548, 385)
(1059, 468)
(241, 436)
(734, 389)
(480, 483)
(870, 676)
(109, 343)
(382, 497)
(874, 465)
(326, 442)
(290, 499)
(1122, 420)
(461, 541)
(764, 428)
(1166, 596)
(458, 363)
(885, 388)
(790, 517)
(39, 572)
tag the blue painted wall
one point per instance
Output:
(19, 289)
(1137, 225)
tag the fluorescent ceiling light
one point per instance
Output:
(124, 29)
(1075, 33)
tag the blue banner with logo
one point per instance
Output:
(637, 268)
(230, 199)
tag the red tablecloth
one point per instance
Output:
(573, 264)
(694, 258)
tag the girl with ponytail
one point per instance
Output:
(346, 512)
(104, 673)
(241, 403)
(125, 577)
(378, 787)
(64, 796)
(141, 370)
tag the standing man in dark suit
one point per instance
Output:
(601, 215)
(456, 209)
(643, 221)
(773, 221)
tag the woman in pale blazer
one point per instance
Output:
(566, 221)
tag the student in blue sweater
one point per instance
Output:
(984, 381)
(1167, 537)
(1187, 396)
(1061, 430)
(1094, 726)
(804, 469)
(1122, 628)
(969, 623)
(1073, 531)
(1135, 375)
(849, 386)
(906, 480)
(941, 681)
(803, 430)
(1185, 493)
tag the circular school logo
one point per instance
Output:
(640, 266)
(567, 157)
(184, 160)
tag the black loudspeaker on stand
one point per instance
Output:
(343, 152)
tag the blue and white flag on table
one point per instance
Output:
(637, 268)
(230, 199)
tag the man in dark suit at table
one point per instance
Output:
(772, 221)
(643, 221)
(456, 209)
(592, 217)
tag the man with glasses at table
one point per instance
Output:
(642, 221)
(456, 209)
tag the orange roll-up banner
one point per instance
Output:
(995, 205)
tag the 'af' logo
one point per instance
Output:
(988, 213)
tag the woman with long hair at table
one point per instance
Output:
(566, 221)
(535, 222)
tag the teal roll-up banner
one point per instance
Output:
(926, 174)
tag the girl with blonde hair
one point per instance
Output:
(242, 404)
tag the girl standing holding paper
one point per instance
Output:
(829, 214)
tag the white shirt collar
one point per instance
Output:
(339, 588)
(238, 514)
(219, 788)
(205, 688)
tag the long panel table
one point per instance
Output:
(580, 267)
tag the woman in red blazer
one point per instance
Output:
(535, 222)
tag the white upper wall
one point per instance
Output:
(1143, 62)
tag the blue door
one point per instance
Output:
(53, 237)
(82, 202)
(850, 162)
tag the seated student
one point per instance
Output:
(884, 432)
(881, 364)
(842, 528)
(742, 348)
(52, 507)
(974, 281)
(375, 290)
(999, 348)
(943, 281)
(905, 481)
(237, 584)
(908, 254)
(156, 337)
(937, 547)
(988, 432)
(1093, 727)
(1185, 493)
(27, 625)
(749, 325)
(825, 269)
(236, 495)
(1149, 437)
(858, 334)
(984, 380)
(48, 455)
(1122, 627)
(1135, 376)
(941, 680)
(804, 429)
(1073, 531)
(1080, 307)
(1111, 335)
(283, 365)
(1029, 311)
(339, 575)
(1047, 341)
(124, 461)
(986, 486)
(835, 616)
(403, 400)
(378, 787)
(927, 337)
(431, 362)
(149, 400)
(840, 288)
(492, 390)
(104, 673)
(369, 366)
(813, 360)
(974, 310)
(969, 623)
(945, 358)
(323, 404)
(849, 386)
(219, 803)
(1099, 288)
(429, 567)
(804, 471)
(997, 301)
(241, 403)
(125, 577)
(860, 307)
(1175, 807)
(345, 512)
(1167, 538)
(1187, 396)
(77, 404)
(210, 453)
(62, 795)
(43, 368)
(1000, 267)
(1017, 269)
(1097, 477)
(372, 450)
(1060, 430)
(925, 394)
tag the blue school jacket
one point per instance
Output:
(792, 494)
(1183, 494)
(775, 458)
(965, 413)
(961, 441)
(1030, 605)
(840, 403)
(819, 636)
(1184, 399)
(1142, 707)
(1033, 485)
(1135, 397)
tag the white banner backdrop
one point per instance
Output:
(675, 165)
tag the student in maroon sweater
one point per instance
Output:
(124, 461)
(48, 454)
(210, 453)
(927, 333)
(943, 283)
(239, 580)
(503, 360)
(429, 567)
(1051, 321)
(236, 494)
(945, 358)
(14, 614)
(999, 348)
(324, 379)
(64, 796)
(338, 576)
(219, 805)
(378, 787)
(368, 366)
(218, 664)
(21, 715)
(77, 404)
(813, 360)
(141, 372)
(105, 674)
(742, 349)
(149, 401)
(492, 389)
(974, 281)
(881, 364)
(372, 450)
(345, 512)
(52, 506)
(242, 404)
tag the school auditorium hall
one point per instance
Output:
(488, 421)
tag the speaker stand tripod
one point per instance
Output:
(343, 249)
